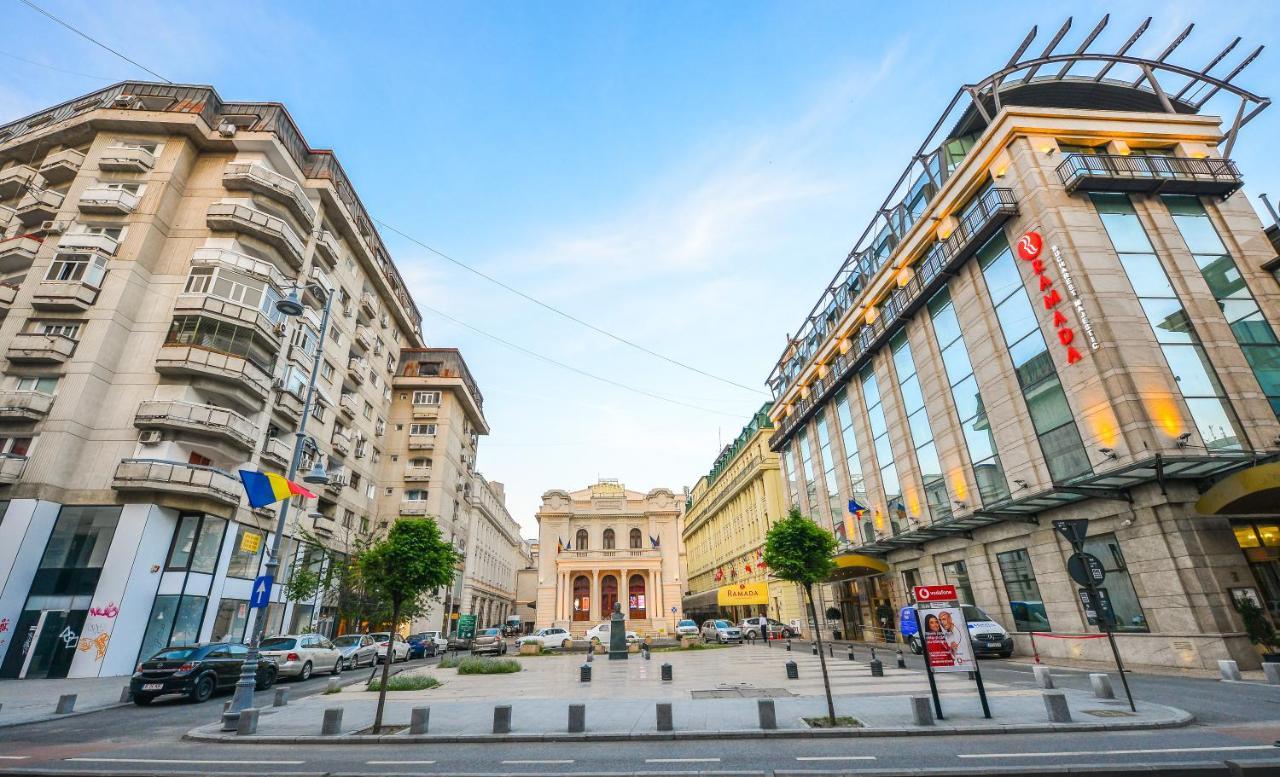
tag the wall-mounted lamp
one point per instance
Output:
(1184, 439)
(961, 505)
(1108, 452)
(1020, 483)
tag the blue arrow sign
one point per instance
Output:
(261, 595)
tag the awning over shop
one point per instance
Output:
(701, 601)
(1252, 491)
(851, 565)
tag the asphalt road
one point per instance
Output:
(1237, 722)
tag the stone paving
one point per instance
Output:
(26, 701)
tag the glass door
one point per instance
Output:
(49, 641)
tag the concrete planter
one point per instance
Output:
(530, 650)
(687, 641)
(634, 647)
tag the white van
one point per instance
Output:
(987, 637)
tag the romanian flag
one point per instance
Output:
(264, 488)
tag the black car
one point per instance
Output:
(196, 671)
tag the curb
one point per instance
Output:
(65, 716)
(203, 734)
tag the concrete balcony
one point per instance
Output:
(337, 482)
(413, 507)
(15, 179)
(210, 420)
(426, 411)
(17, 253)
(127, 159)
(323, 525)
(277, 453)
(250, 176)
(317, 277)
(1142, 173)
(216, 307)
(8, 294)
(368, 305)
(417, 474)
(114, 202)
(21, 406)
(64, 296)
(90, 243)
(178, 478)
(8, 216)
(288, 405)
(11, 468)
(251, 222)
(36, 348)
(328, 249)
(363, 338)
(422, 442)
(39, 205)
(356, 370)
(341, 443)
(347, 405)
(225, 257)
(249, 383)
(61, 166)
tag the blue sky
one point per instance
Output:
(688, 175)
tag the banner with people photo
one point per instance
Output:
(946, 639)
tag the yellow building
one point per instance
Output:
(727, 516)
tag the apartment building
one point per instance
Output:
(527, 585)
(494, 554)
(727, 515)
(1064, 310)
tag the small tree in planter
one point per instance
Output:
(799, 551)
(1259, 629)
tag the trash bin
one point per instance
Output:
(835, 634)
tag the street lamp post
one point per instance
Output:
(243, 698)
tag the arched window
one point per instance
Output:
(608, 595)
(636, 539)
(608, 539)
(581, 598)
(635, 597)
(580, 540)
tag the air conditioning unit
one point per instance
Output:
(227, 130)
(53, 227)
(150, 437)
(125, 100)
(280, 329)
(278, 384)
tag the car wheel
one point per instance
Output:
(266, 682)
(337, 667)
(915, 646)
(142, 700)
(203, 689)
(305, 674)
(565, 644)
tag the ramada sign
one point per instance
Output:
(1030, 247)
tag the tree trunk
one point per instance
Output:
(386, 667)
(822, 657)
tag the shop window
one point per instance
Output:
(1023, 591)
(246, 556)
(230, 622)
(196, 543)
(1124, 599)
(957, 574)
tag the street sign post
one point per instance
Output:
(467, 626)
(1097, 607)
(1086, 567)
(260, 596)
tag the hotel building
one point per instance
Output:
(1064, 309)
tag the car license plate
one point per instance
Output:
(152, 686)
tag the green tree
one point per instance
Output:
(401, 571)
(798, 550)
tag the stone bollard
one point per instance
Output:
(831, 650)
(334, 685)
(902, 660)
(922, 710)
(813, 648)
(247, 725)
(666, 673)
(877, 668)
(126, 695)
(332, 725)
(1101, 686)
(584, 673)
(1271, 672)
(1055, 706)
(419, 720)
(282, 698)
(646, 652)
(577, 718)
(502, 719)
(851, 653)
(768, 715)
(793, 671)
(1044, 678)
(590, 652)
(1229, 670)
(788, 646)
(66, 703)
(664, 717)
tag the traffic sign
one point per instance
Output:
(1099, 605)
(1086, 568)
(1074, 529)
(936, 593)
(260, 596)
(467, 626)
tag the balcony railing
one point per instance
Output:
(119, 202)
(127, 159)
(178, 478)
(347, 405)
(417, 474)
(356, 369)
(277, 452)
(17, 253)
(368, 305)
(37, 348)
(15, 179)
(341, 443)
(8, 295)
(258, 178)
(7, 217)
(618, 553)
(16, 405)
(364, 337)
(1142, 173)
(64, 295)
(327, 247)
(203, 419)
(11, 468)
(289, 404)
(274, 231)
(413, 507)
(979, 222)
(212, 257)
(223, 367)
(61, 166)
(86, 241)
(39, 205)
(217, 307)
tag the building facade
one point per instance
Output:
(527, 586)
(1064, 310)
(727, 516)
(604, 545)
(494, 554)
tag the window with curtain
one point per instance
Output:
(607, 540)
(580, 540)
(637, 540)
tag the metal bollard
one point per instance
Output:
(831, 650)
(247, 725)
(768, 715)
(419, 720)
(793, 671)
(788, 645)
(1044, 678)
(922, 710)
(502, 719)
(851, 652)
(813, 648)
(66, 704)
(577, 718)
(1055, 706)
(664, 717)
(902, 660)
(584, 673)
(282, 698)
(332, 725)
(1102, 686)
(877, 668)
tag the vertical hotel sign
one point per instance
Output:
(1030, 248)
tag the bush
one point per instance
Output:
(401, 682)
(479, 665)
(448, 662)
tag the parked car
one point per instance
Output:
(687, 628)
(987, 637)
(489, 641)
(357, 650)
(751, 628)
(721, 631)
(600, 634)
(299, 655)
(456, 642)
(196, 671)
(513, 627)
(441, 643)
(422, 645)
(399, 648)
(553, 637)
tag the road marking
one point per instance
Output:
(398, 763)
(540, 761)
(680, 760)
(835, 758)
(14, 757)
(1118, 752)
(178, 761)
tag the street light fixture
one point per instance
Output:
(292, 307)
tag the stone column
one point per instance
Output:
(595, 594)
(624, 591)
(657, 608)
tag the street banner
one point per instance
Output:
(946, 640)
(742, 593)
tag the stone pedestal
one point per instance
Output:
(617, 634)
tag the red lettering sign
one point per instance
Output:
(934, 593)
(1030, 245)
(1052, 299)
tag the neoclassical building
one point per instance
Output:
(605, 544)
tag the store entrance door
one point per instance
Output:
(48, 644)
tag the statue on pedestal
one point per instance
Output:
(617, 634)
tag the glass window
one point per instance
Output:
(41, 385)
(246, 555)
(73, 558)
(806, 470)
(1024, 594)
(828, 462)
(1124, 599)
(957, 573)
(789, 475)
(229, 624)
(184, 540)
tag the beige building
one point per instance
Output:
(527, 586)
(494, 555)
(605, 545)
(1065, 310)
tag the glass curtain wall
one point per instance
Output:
(853, 466)
(1193, 376)
(937, 499)
(884, 451)
(1051, 415)
(789, 476)
(828, 463)
(1254, 334)
(806, 471)
(992, 484)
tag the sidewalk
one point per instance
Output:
(27, 701)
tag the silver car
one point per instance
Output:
(299, 655)
(721, 631)
(489, 641)
(357, 650)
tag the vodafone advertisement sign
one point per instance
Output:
(936, 593)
